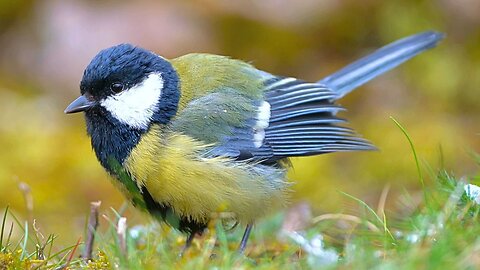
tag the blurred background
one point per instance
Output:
(45, 45)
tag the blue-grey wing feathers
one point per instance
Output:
(295, 118)
(303, 121)
(379, 62)
(303, 117)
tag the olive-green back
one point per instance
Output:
(201, 74)
(218, 96)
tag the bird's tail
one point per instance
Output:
(379, 62)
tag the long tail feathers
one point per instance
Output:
(379, 62)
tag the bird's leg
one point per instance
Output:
(246, 234)
(188, 243)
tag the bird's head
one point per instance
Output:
(130, 86)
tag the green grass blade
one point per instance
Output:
(3, 228)
(404, 131)
(25, 241)
(372, 212)
(10, 232)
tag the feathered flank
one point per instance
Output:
(183, 176)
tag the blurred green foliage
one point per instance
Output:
(46, 44)
(11, 11)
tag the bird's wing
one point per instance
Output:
(280, 117)
(245, 113)
(226, 120)
(221, 103)
(303, 120)
(293, 118)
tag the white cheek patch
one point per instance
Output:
(136, 106)
(263, 120)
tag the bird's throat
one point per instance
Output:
(111, 140)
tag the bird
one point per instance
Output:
(201, 134)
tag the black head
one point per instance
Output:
(125, 89)
(122, 64)
(134, 77)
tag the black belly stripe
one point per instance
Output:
(165, 213)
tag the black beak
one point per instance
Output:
(79, 105)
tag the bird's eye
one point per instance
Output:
(116, 87)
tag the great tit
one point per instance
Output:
(202, 133)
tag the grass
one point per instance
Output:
(444, 233)
(43, 255)
(439, 230)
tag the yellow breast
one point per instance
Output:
(176, 171)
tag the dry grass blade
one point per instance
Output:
(383, 200)
(346, 217)
(27, 195)
(122, 235)
(91, 229)
(70, 257)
